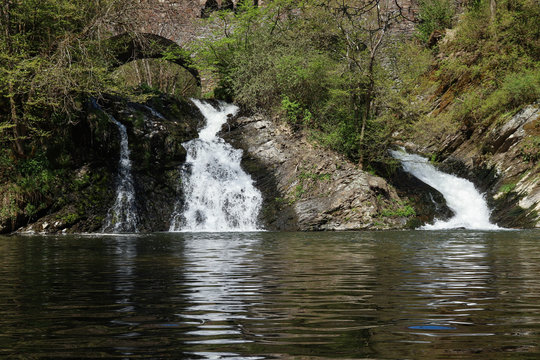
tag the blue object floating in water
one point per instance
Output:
(432, 327)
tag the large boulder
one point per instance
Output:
(307, 187)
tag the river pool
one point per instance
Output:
(350, 295)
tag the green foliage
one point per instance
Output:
(317, 66)
(434, 15)
(70, 218)
(29, 187)
(507, 188)
(342, 136)
(295, 114)
(51, 59)
(517, 88)
(401, 209)
(530, 149)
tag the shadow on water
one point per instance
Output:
(403, 294)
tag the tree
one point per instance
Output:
(319, 63)
(364, 26)
(50, 59)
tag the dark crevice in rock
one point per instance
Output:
(428, 203)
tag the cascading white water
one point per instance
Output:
(469, 206)
(219, 195)
(122, 216)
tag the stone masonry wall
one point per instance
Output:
(177, 19)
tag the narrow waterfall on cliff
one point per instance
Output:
(469, 206)
(219, 195)
(122, 216)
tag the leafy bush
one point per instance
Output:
(294, 112)
(434, 15)
(507, 188)
(530, 149)
(520, 88)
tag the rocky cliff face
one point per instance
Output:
(156, 131)
(503, 161)
(305, 187)
(308, 188)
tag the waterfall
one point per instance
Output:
(219, 195)
(122, 216)
(469, 206)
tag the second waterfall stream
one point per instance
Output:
(219, 195)
(469, 206)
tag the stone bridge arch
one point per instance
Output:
(223, 4)
(165, 25)
(130, 47)
(176, 20)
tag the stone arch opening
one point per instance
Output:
(129, 47)
(214, 5)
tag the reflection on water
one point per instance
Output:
(437, 295)
(220, 287)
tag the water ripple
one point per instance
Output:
(443, 295)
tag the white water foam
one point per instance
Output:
(469, 206)
(122, 216)
(219, 195)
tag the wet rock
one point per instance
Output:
(502, 161)
(428, 202)
(501, 139)
(156, 131)
(306, 187)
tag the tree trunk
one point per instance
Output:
(365, 117)
(16, 129)
(493, 10)
(367, 110)
(17, 136)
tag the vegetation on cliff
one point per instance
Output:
(55, 55)
(323, 65)
(487, 69)
(351, 74)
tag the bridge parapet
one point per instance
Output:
(175, 20)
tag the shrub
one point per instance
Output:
(507, 188)
(434, 15)
(530, 149)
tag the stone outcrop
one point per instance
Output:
(503, 160)
(308, 188)
(156, 131)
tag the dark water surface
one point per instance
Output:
(383, 295)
